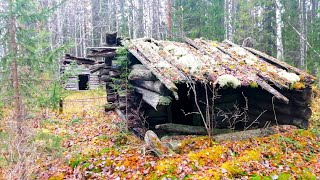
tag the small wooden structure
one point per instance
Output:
(197, 80)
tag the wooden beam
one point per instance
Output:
(258, 80)
(170, 85)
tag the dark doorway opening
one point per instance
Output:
(83, 82)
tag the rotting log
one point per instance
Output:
(112, 98)
(154, 143)
(249, 134)
(115, 74)
(105, 72)
(110, 91)
(302, 112)
(170, 85)
(186, 129)
(279, 118)
(105, 78)
(294, 100)
(142, 74)
(96, 68)
(179, 128)
(155, 86)
(110, 107)
(138, 67)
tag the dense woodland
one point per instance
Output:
(85, 142)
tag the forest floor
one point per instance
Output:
(85, 143)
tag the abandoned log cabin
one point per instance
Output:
(82, 78)
(199, 81)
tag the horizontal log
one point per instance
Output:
(111, 98)
(114, 73)
(138, 67)
(228, 98)
(138, 74)
(105, 72)
(296, 101)
(155, 86)
(186, 129)
(179, 128)
(249, 134)
(280, 118)
(105, 78)
(96, 68)
(110, 91)
(101, 54)
(110, 107)
(302, 112)
(304, 95)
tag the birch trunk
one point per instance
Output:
(229, 9)
(279, 24)
(169, 18)
(302, 20)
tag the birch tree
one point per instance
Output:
(229, 11)
(279, 24)
(303, 33)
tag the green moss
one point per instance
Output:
(253, 85)
(165, 100)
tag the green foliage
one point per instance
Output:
(49, 143)
(36, 57)
(191, 17)
(75, 121)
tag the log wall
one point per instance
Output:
(239, 108)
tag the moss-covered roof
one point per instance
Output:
(208, 61)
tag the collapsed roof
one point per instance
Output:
(223, 64)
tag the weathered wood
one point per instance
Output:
(280, 118)
(105, 72)
(138, 67)
(153, 142)
(101, 54)
(232, 98)
(170, 85)
(249, 134)
(96, 68)
(115, 74)
(105, 78)
(110, 107)
(112, 98)
(79, 60)
(185, 129)
(142, 74)
(301, 112)
(155, 86)
(121, 115)
(310, 79)
(258, 80)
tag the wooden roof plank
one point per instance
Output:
(258, 80)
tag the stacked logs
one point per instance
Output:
(297, 112)
(145, 82)
(118, 95)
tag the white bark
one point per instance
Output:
(229, 7)
(279, 24)
(302, 20)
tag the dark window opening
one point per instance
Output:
(83, 82)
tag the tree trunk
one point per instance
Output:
(229, 7)
(14, 65)
(279, 24)
(169, 18)
(302, 20)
